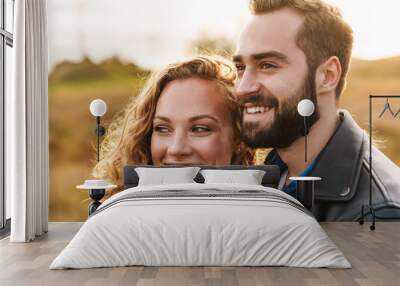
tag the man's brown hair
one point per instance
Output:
(324, 32)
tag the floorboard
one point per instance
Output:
(374, 255)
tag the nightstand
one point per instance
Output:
(97, 190)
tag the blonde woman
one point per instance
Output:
(185, 115)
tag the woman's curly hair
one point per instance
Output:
(128, 137)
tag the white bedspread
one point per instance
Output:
(225, 225)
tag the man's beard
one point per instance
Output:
(287, 125)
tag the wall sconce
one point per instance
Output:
(98, 108)
(97, 188)
(305, 185)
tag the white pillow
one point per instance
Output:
(248, 177)
(162, 176)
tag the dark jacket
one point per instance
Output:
(343, 166)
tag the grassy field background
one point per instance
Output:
(72, 86)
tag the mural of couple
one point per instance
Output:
(238, 109)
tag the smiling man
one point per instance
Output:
(300, 49)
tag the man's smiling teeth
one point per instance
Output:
(256, 109)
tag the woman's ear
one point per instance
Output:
(328, 75)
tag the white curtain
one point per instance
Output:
(27, 124)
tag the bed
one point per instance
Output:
(201, 224)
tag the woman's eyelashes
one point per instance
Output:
(201, 129)
(161, 129)
(195, 129)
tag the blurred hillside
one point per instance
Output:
(72, 86)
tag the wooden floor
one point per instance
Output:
(374, 255)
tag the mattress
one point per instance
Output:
(201, 225)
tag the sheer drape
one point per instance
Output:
(27, 124)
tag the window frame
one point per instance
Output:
(6, 39)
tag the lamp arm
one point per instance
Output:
(98, 137)
(305, 138)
